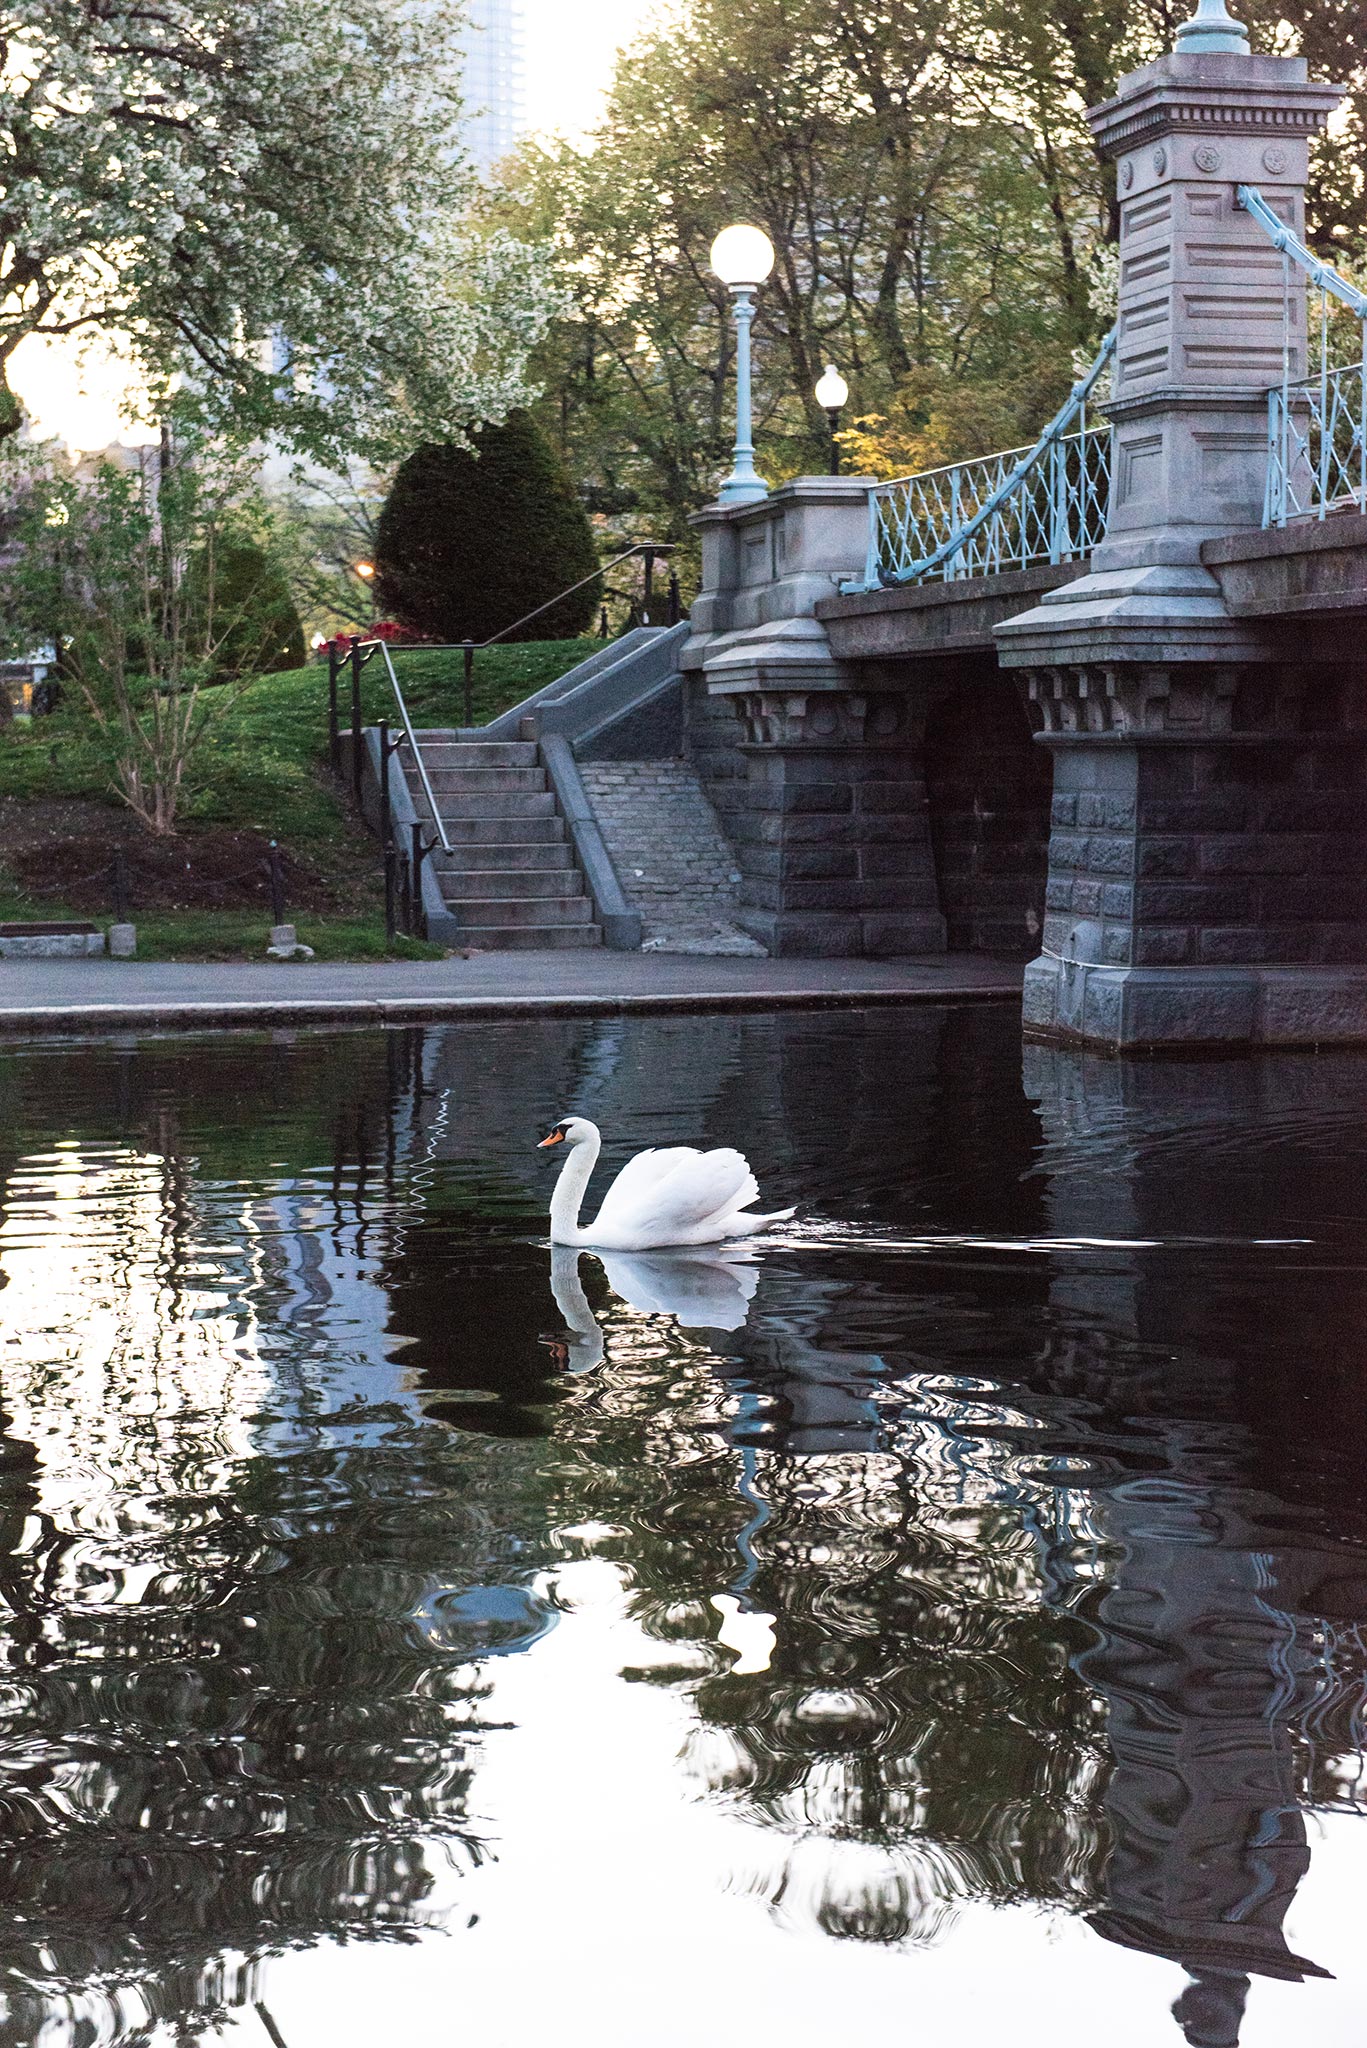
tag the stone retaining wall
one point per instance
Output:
(671, 855)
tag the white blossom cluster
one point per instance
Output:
(269, 198)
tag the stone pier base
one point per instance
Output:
(1207, 860)
(1188, 1009)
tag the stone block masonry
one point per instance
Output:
(671, 855)
(1235, 855)
(834, 836)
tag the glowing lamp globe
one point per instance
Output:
(832, 390)
(742, 255)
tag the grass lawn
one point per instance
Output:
(262, 772)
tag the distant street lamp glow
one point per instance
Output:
(742, 257)
(832, 393)
(365, 570)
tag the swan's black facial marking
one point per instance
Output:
(555, 1136)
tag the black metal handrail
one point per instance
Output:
(361, 651)
(470, 648)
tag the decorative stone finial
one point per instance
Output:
(1212, 31)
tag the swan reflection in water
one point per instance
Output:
(704, 1287)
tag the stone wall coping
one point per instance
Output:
(799, 490)
(1305, 537)
(915, 597)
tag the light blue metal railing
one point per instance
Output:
(1044, 503)
(1316, 424)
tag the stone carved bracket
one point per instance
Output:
(828, 718)
(1130, 703)
(1190, 702)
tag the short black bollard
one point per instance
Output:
(469, 683)
(417, 923)
(648, 600)
(603, 623)
(277, 873)
(675, 602)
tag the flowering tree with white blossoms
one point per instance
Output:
(268, 199)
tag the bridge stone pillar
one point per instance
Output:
(830, 823)
(1210, 788)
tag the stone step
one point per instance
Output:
(514, 910)
(515, 831)
(461, 780)
(531, 938)
(516, 856)
(467, 884)
(521, 804)
(441, 751)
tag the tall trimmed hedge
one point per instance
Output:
(469, 543)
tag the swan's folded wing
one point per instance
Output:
(635, 1184)
(700, 1187)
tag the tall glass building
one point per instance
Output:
(495, 100)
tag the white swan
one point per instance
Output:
(674, 1197)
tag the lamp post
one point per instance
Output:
(742, 257)
(831, 394)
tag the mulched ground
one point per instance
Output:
(64, 852)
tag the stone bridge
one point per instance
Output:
(1137, 754)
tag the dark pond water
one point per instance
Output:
(950, 1626)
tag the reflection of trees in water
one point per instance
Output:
(919, 1735)
(1000, 1670)
(1050, 1642)
(239, 1708)
(920, 1700)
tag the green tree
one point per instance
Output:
(928, 179)
(472, 540)
(268, 201)
(255, 627)
(162, 593)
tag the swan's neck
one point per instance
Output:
(569, 1191)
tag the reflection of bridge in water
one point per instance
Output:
(1065, 1576)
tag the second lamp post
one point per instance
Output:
(832, 392)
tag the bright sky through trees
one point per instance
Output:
(571, 46)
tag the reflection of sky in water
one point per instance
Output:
(946, 1619)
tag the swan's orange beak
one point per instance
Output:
(555, 1138)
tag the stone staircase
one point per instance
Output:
(511, 877)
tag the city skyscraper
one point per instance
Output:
(495, 93)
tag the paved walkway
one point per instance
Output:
(67, 995)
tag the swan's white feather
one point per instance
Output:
(676, 1197)
(639, 1176)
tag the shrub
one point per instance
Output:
(468, 543)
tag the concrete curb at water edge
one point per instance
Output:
(95, 996)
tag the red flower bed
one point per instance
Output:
(383, 629)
